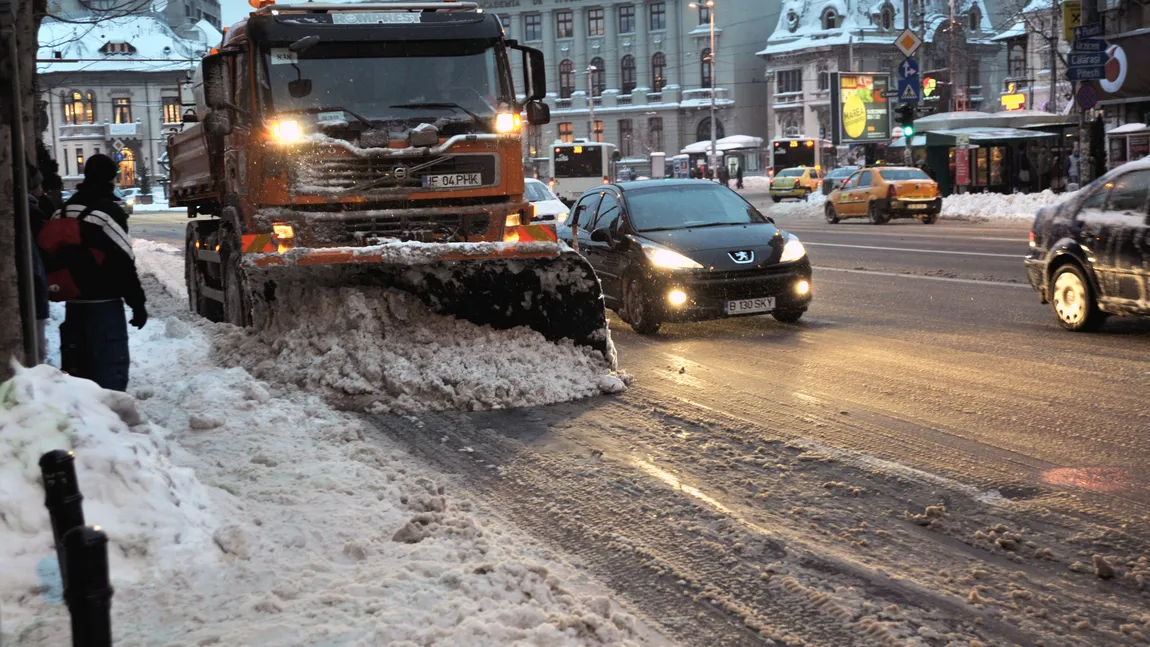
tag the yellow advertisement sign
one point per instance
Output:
(1071, 18)
(864, 115)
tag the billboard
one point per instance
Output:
(860, 111)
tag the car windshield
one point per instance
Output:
(686, 206)
(840, 173)
(537, 192)
(791, 172)
(410, 81)
(896, 174)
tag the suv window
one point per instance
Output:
(582, 214)
(608, 211)
(864, 178)
(1130, 192)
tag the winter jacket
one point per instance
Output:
(102, 265)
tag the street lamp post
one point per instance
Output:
(710, 5)
(591, 69)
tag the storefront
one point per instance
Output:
(995, 160)
(1124, 97)
(1127, 143)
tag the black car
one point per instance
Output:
(835, 178)
(1090, 255)
(687, 250)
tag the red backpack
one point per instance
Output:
(68, 262)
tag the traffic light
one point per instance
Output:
(906, 116)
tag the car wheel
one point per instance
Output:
(640, 311)
(931, 219)
(788, 315)
(832, 217)
(776, 198)
(875, 214)
(1072, 300)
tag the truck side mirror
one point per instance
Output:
(538, 113)
(218, 123)
(215, 82)
(534, 72)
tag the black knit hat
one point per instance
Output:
(100, 168)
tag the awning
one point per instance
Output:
(982, 135)
(917, 140)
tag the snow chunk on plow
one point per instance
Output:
(384, 350)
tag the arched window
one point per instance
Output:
(127, 167)
(73, 107)
(658, 67)
(703, 131)
(91, 107)
(887, 17)
(975, 19)
(830, 19)
(598, 77)
(627, 68)
(566, 79)
(705, 62)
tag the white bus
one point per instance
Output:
(789, 152)
(579, 166)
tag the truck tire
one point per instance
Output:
(237, 302)
(194, 276)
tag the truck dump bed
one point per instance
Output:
(192, 179)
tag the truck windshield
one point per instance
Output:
(413, 81)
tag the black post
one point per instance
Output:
(89, 592)
(63, 500)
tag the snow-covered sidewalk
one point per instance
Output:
(965, 206)
(244, 512)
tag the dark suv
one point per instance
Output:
(1090, 255)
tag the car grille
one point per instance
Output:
(345, 172)
(743, 284)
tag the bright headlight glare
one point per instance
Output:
(561, 218)
(677, 297)
(283, 230)
(507, 122)
(669, 260)
(793, 250)
(287, 131)
(513, 220)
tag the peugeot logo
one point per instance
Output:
(742, 257)
(399, 172)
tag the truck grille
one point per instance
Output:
(390, 173)
(423, 228)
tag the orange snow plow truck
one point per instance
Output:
(379, 145)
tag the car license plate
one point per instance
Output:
(745, 306)
(916, 205)
(452, 180)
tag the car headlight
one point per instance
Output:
(669, 260)
(287, 131)
(131, 202)
(793, 250)
(561, 218)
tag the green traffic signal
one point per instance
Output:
(908, 131)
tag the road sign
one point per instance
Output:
(1091, 73)
(908, 91)
(890, 94)
(1087, 97)
(118, 156)
(908, 42)
(1071, 18)
(1093, 30)
(1090, 45)
(117, 144)
(1089, 60)
(908, 69)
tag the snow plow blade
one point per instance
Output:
(543, 286)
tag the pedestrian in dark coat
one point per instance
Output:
(739, 176)
(36, 218)
(725, 176)
(99, 274)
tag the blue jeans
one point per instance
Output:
(94, 343)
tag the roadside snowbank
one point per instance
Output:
(997, 205)
(262, 516)
(386, 351)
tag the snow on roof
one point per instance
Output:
(150, 38)
(725, 144)
(210, 36)
(800, 23)
(1127, 128)
(1014, 31)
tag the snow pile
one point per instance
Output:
(385, 350)
(154, 512)
(756, 183)
(998, 205)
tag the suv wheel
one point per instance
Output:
(1073, 301)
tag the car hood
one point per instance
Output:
(713, 247)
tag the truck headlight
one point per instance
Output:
(793, 250)
(287, 131)
(507, 122)
(669, 260)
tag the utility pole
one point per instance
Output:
(953, 82)
(591, 69)
(710, 5)
(1052, 102)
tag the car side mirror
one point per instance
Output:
(538, 113)
(601, 235)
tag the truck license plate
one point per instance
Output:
(745, 306)
(452, 180)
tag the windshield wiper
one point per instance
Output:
(312, 111)
(446, 105)
(716, 224)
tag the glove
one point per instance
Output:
(139, 317)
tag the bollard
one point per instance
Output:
(89, 592)
(63, 500)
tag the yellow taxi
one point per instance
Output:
(884, 192)
(798, 182)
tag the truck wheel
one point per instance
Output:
(192, 270)
(237, 303)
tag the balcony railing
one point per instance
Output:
(654, 97)
(83, 131)
(563, 103)
(623, 100)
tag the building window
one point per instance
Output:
(824, 76)
(703, 132)
(655, 133)
(532, 27)
(627, 19)
(658, 15)
(595, 22)
(566, 79)
(122, 110)
(790, 81)
(505, 20)
(658, 66)
(90, 107)
(705, 69)
(704, 14)
(566, 133)
(887, 17)
(171, 110)
(625, 138)
(830, 19)
(1016, 61)
(627, 68)
(73, 107)
(597, 133)
(975, 19)
(564, 24)
(79, 159)
(598, 77)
